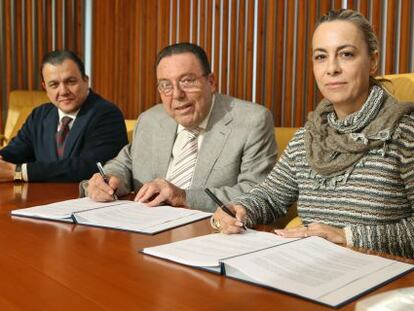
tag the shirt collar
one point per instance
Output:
(64, 114)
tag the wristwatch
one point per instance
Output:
(18, 173)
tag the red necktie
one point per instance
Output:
(61, 135)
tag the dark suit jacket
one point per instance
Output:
(97, 134)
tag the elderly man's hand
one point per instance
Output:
(161, 191)
(6, 170)
(333, 234)
(99, 190)
(224, 223)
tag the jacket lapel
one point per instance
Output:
(215, 137)
(163, 141)
(78, 127)
(50, 124)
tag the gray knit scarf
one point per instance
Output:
(333, 146)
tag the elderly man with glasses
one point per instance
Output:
(195, 139)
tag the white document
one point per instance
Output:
(316, 269)
(62, 210)
(135, 216)
(119, 214)
(206, 251)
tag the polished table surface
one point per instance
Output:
(49, 265)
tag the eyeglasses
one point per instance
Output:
(188, 83)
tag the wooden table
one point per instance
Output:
(49, 265)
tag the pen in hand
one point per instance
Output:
(221, 205)
(105, 178)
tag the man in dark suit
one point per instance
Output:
(61, 141)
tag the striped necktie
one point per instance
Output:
(61, 135)
(182, 172)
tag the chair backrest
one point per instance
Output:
(401, 86)
(21, 104)
(283, 135)
(130, 126)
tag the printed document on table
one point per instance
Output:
(206, 251)
(63, 210)
(316, 269)
(119, 214)
(137, 217)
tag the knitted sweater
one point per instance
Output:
(374, 204)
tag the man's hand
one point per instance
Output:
(6, 170)
(333, 234)
(99, 190)
(161, 191)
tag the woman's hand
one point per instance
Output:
(333, 234)
(224, 223)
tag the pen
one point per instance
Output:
(105, 178)
(221, 205)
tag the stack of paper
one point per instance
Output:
(313, 268)
(120, 214)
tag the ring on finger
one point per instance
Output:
(215, 224)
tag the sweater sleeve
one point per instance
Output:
(396, 238)
(272, 198)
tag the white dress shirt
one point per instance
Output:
(181, 139)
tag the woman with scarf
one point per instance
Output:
(351, 168)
